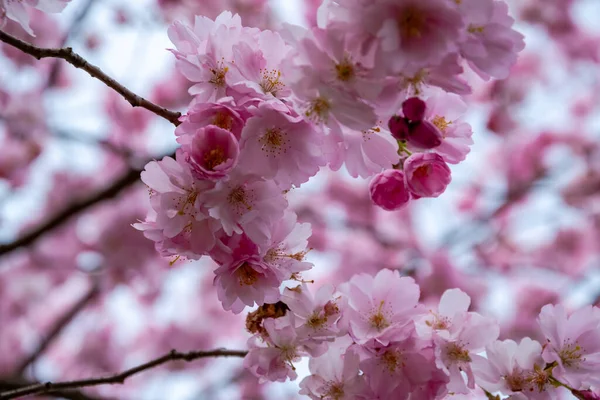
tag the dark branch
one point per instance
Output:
(127, 179)
(130, 177)
(49, 387)
(58, 327)
(77, 61)
(63, 394)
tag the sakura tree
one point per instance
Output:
(387, 199)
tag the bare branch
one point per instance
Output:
(58, 327)
(77, 61)
(130, 177)
(13, 384)
(48, 387)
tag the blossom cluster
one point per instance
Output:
(270, 109)
(372, 339)
(18, 10)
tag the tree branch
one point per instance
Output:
(120, 378)
(130, 177)
(77, 61)
(57, 328)
(63, 394)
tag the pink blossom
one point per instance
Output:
(573, 342)
(257, 73)
(244, 279)
(204, 53)
(281, 147)
(413, 31)
(513, 368)
(330, 56)
(455, 351)
(316, 315)
(363, 153)
(326, 106)
(335, 375)
(211, 152)
(246, 204)
(223, 114)
(491, 45)
(445, 112)
(287, 247)
(427, 175)
(178, 219)
(388, 190)
(380, 307)
(273, 360)
(399, 368)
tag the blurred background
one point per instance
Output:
(519, 226)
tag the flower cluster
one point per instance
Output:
(270, 109)
(372, 339)
(18, 10)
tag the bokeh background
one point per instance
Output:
(518, 227)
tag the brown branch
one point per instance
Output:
(13, 384)
(77, 61)
(127, 179)
(120, 378)
(130, 177)
(58, 327)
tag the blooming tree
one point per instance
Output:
(286, 215)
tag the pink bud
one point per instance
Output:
(414, 109)
(427, 175)
(212, 153)
(585, 394)
(388, 190)
(398, 127)
(424, 135)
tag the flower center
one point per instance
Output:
(345, 70)
(316, 320)
(441, 123)
(238, 196)
(457, 353)
(571, 354)
(333, 391)
(475, 29)
(270, 81)
(515, 381)
(415, 81)
(218, 75)
(273, 140)
(378, 319)
(422, 172)
(392, 359)
(223, 120)
(247, 276)
(318, 110)
(213, 158)
(411, 22)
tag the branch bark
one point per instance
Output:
(12, 384)
(130, 177)
(77, 61)
(58, 327)
(48, 387)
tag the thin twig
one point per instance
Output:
(47, 387)
(13, 384)
(77, 61)
(73, 29)
(127, 179)
(130, 177)
(58, 327)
